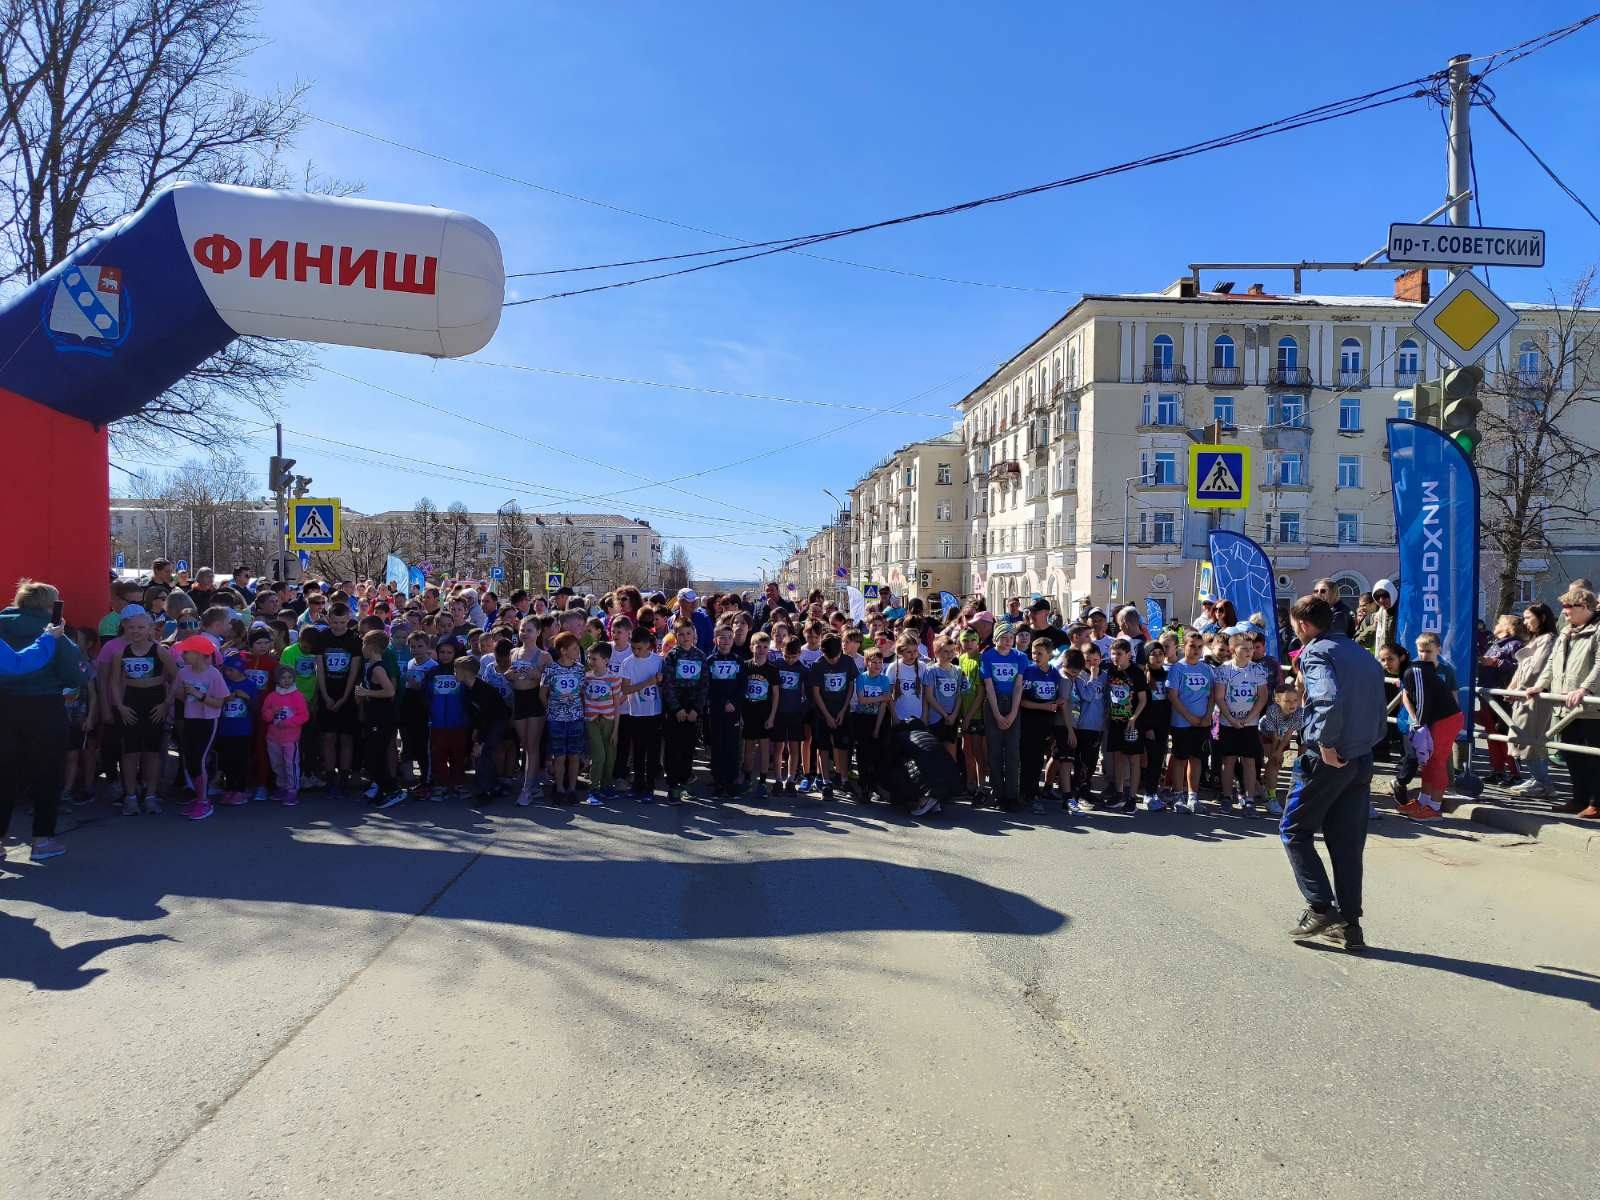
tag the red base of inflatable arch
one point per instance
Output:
(59, 526)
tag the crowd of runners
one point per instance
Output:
(202, 694)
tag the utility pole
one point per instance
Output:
(1458, 145)
(283, 560)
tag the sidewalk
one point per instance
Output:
(1498, 809)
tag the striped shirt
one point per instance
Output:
(602, 696)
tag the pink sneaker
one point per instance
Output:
(290, 799)
(197, 810)
(234, 799)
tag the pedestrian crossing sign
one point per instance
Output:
(553, 582)
(1219, 476)
(315, 525)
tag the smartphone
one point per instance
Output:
(55, 613)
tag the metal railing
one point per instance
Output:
(1563, 717)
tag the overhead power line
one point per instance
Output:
(1334, 110)
(1546, 167)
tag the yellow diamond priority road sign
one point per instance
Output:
(1466, 319)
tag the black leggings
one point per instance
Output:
(195, 736)
(680, 741)
(33, 758)
(642, 738)
(1155, 756)
(1583, 768)
(1084, 760)
(233, 762)
(1036, 730)
(377, 740)
(869, 748)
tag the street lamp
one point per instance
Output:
(1127, 492)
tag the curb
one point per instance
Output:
(1549, 830)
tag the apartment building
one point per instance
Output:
(1091, 420)
(822, 564)
(910, 524)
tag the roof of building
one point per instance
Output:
(578, 520)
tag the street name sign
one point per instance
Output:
(1466, 319)
(1466, 246)
(1219, 476)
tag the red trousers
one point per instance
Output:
(449, 750)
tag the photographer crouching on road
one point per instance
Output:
(1346, 716)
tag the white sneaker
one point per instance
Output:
(1193, 804)
(1274, 809)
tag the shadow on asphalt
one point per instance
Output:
(1558, 983)
(28, 952)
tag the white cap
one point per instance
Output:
(687, 594)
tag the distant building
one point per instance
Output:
(909, 524)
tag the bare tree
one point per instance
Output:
(102, 104)
(458, 538)
(424, 535)
(211, 514)
(1535, 464)
(516, 540)
(675, 572)
(556, 546)
(367, 546)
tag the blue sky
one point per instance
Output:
(761, 121)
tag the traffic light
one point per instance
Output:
(1461, 406)
(302, 485)
(1424, 401)
(278, 474)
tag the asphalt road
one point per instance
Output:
(752, 1001)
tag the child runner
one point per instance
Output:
(941, 694)
(562, 690)
(1427, 694)
(337, 669)
(760, 714)
(284, 715)
(868, 718)
(1041, 707)
(1089, 693)
(200, 688)
(1156, 724)
(832, 689)
(1127, 694)
(449, 729)
(413, 712)
(141, 679)
(376, 696)
(724, 695)
(969, 714)
(236, 731)
(303, 656)
(1191, 687)
(1001, 667)
(1241, 695)
(640, 729)
(528, 663)
(789, 733)
(602, 704)
(683, 700)
(1281, 721)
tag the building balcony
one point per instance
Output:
(1040, 455)
(1166, 374)
(1354, 379)
(1289, 377)
(1225, 377)
(1406, 378)
(1299, 485)
(1010, 469)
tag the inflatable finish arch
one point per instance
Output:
(134, 311)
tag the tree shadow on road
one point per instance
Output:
(1558, 983)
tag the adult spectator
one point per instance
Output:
(1573, 673)
(1040, 629)
(1497, 663)
(1346, 715)
(689, 610)
(161, 572)
(123, 593)
(770, 605)
(242, 584)
(1384, 627)
(1098, 633)
(267, 606)
(1014, 610)
(1343, 619)
(1530, 718)
(1208, 617)
(33, 717)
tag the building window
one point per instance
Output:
(1069, 529)
(1349, 357)
(1159, 467)
(1072, 366)
(942, 510)
(945, 474)
(1408, 361)
(1349, 470)
(1072, 471)
(911, 476)
(1162, 528)
(1527, 591)
(1528, 361)
(1350, 414)
(1167, 409)
(1287, 411)
(1072, 417)
(633, 537)
(1222, 409)
(1404, 408)
(1289, 527)
(1288, 354)
(1288, 468)
(1222, 352)
(1161, 352)
(1349, 525)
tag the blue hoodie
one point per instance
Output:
(60, 670)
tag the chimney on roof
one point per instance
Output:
(1412, 286)
(1255, 289)
(1224, 287)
